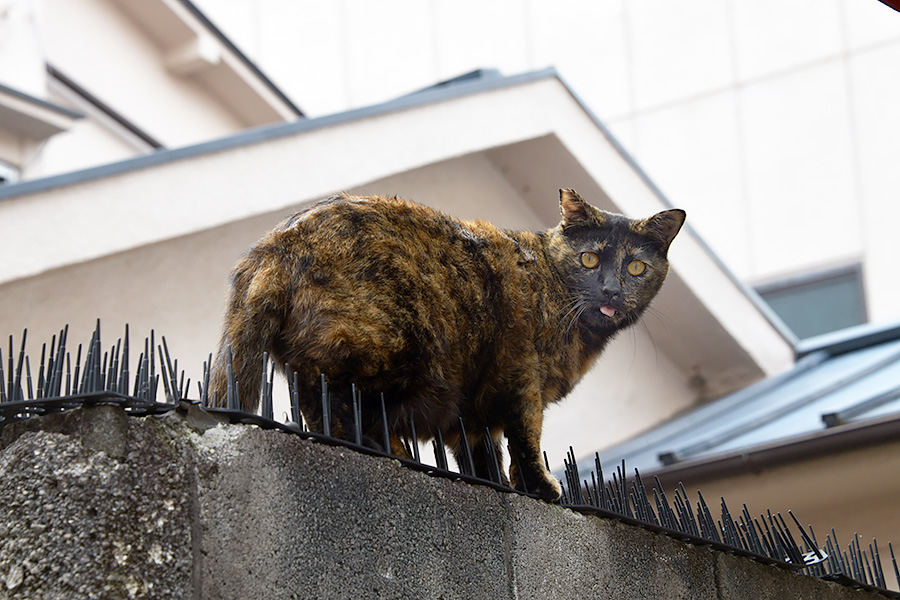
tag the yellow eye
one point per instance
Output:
(590, 260)
(636, 267)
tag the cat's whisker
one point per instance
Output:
(582, 307)
(653, 343)
(660, 317)
(569, 306)
(576, 307)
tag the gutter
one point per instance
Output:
(754, 461)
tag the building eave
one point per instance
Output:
(276, 131)
(33, 118)
(195, 48)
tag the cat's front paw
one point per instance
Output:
(549, 489)
(544, 485)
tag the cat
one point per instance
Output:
(445, 318)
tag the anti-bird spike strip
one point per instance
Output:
(103, 378)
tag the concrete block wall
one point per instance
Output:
(95, 504)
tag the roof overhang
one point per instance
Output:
(194, 48)
(32, 118)
(531, 127)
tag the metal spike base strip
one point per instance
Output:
(97, 377)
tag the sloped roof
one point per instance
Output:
(844, 391)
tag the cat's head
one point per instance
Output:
(613, 265)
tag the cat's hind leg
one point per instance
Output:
(485, 452)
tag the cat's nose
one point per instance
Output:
(611, 288)
(612, 294)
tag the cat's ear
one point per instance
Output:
(663, 226)
(573, 208)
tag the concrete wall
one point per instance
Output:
(97, 504)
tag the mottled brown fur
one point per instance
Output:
(446, 318)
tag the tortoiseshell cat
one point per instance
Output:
(446, 318)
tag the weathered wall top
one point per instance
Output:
(97, 504)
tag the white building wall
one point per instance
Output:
(21, 53)
(772, 122)
(126, 70)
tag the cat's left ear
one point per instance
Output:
(574, 209)
(663, 226)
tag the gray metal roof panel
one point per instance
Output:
(855, 374)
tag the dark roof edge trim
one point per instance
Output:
(777, 323)
(850, 339)
(200, 16)
(270, 132)
(104, 108)
(825, 442)
(39, 102)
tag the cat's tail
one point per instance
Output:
(253, 317)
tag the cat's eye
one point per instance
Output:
(590, 260)
(636, 267)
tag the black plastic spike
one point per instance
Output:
(809, 541)
(17, 384)
(384, 428)
(414, 439)
(268, 407)
(2, 377)
(440, 453)
(894, 563)
(28, 378)
(357, 415)
(515, 459)
(68, 374)
(326, 408)
(493, 465)
(40, 378)
(124, 375)
(467, 451)
(294, 385)
(204, 386)
(230, 388)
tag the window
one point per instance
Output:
(819, 302)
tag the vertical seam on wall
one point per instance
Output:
(741, 145)
(717, 579)
(631, 87)
(193, 499)
(509, 547)
(855, 159)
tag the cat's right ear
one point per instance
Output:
(573, 208)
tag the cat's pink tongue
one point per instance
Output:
(609, 311)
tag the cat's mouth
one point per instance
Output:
(609, 311)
